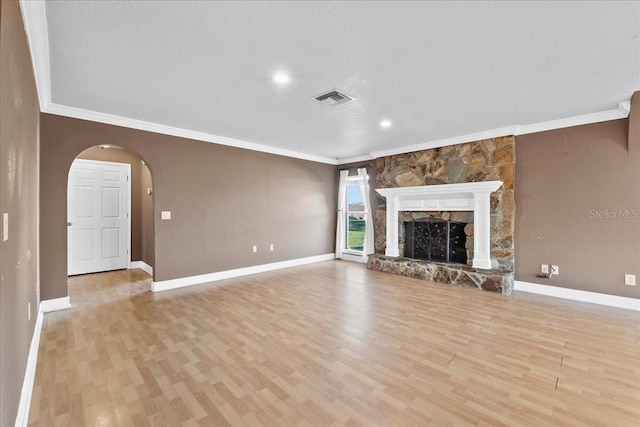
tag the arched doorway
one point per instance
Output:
(110, 219)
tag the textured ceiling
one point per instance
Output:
(435, 69)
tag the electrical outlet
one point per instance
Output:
(554, 270)
(255, 249)
(165, 215)
(544, 268)
(630, 279)
(271, 247)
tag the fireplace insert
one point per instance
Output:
(435, 239)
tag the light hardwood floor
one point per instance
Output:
(331, 344)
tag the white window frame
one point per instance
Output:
(352, 181)
(350, 254)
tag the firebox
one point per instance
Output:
(435, 239)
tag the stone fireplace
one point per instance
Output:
(471, 196)
(470, 183)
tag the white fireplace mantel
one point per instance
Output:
(470, 196)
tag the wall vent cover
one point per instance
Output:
(333, 98)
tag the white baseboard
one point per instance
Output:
(142, 266)
(46, 306)
(55, 304)
(182, 282)
(576, 295)
(22, 419)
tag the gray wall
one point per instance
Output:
(19, 116)
(223, 200)
(566, 179)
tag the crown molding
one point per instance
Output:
(487, 134)
(80, 113)
(624, 108)
(356, 159)
(35, 22)
(34, 17)
(603, 116)
(621, 112)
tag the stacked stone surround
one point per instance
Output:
(484, 160)
(451, 274)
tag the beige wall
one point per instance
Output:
(147, 235)
(223, 201)
(566, 179)
(19, 115)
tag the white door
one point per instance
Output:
(98, 219)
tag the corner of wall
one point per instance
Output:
(634, 126)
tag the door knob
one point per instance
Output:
(69, 224)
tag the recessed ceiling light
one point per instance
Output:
(385, 124)
(281, 78)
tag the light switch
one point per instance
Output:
(5, 227)
(166, 214)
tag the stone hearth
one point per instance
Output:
(452, 274)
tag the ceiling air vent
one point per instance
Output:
(333, 98)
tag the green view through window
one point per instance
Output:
(355, 219)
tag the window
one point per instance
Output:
(355, 222)
(354, 230)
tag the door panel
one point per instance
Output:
(82, 244)
(110, 243)
(83, 199)
(111, 202)
(98, 229)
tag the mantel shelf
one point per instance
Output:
(467, 189)
(468, 196)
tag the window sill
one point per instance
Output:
(354, 257)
